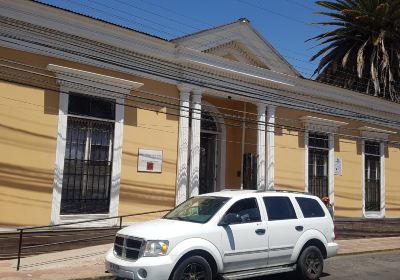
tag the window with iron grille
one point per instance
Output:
(372, 169)
(318, 164)
(88, 157)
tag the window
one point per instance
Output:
(310, 207)
(246, 211)
(372, 171)
(279, 208)
(318, 164)
(197, 209)
(88, 157)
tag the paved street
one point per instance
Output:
(372, 266)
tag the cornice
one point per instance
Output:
(144, 56)
(375, 133)
(83, 81)
(320, 124)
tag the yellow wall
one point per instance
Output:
(28, 130)
(392, 169)
(141, 191)
(348, 187)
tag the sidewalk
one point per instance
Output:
(87, 263)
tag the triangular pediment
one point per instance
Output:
(239, 42)
(236, 51)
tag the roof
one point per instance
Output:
(231, 193)
(98, 19)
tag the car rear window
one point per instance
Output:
(279, 208)
(310, 207)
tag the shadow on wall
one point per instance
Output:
(26, 178)
(147, 193)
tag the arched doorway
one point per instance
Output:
(212, 151)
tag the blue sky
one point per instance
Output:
(286, 24)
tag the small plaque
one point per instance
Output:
(338, 166)
(150, 161)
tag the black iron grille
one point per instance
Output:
(372, 183)
(87, 167)
(128, 247)
(318, 182)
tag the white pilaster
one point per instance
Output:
(270, 171)
(183, 145)
(195, 143)
(261, 147)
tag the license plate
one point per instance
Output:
(113, 267)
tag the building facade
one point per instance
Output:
(98, 120)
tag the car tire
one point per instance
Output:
(194, 267)
(310, 263)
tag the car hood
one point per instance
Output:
(161, 229)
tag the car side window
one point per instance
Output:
(279, 208)
(310, 207)
(245, 211)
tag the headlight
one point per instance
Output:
(156, 248)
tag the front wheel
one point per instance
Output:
(193, 268)
(310, 263)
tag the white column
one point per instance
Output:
(270, 171)
(183, 145)
(261, 147)
(195, 143)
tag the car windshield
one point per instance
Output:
(197, 209)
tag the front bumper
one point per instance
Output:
(157, 268)
(332, 249)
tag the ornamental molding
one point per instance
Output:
(319, 124)
(73, 79)
(58, 34)
(239, 51)
(375, 133)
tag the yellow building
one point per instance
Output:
(98, 120)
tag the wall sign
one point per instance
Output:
(338, 166)
(150, 161)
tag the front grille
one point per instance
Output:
(128, 247)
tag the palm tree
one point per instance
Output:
(363, 52)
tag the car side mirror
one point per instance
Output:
(229, 219)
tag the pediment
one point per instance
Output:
(239, 42)
(236, 51)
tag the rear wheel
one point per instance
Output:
(193, 268)
(310, 263)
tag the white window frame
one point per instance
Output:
(375, 214)
(329, 127)
(87, 83)
(376, 135)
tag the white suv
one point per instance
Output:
(232, 234)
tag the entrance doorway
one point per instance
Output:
(209, 154)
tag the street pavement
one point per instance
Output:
(88, 263)
(369, 266)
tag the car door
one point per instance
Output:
(244, 236)
(284, 229)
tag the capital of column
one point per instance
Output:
(271, 109)
(261, 108)
(197, 94)
(185, 88)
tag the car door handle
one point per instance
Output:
(299, 228)
(260, 231)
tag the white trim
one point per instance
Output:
(194, 180)
(331, 164)
(183, 145)
(376, 134)
(374, 214)
(261, 133)
(321, 125)
(270, 156)
(77, 81)
(221, 140)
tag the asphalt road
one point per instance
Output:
(377, 266)
(372, 266)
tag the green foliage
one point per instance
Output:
(363, 51)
